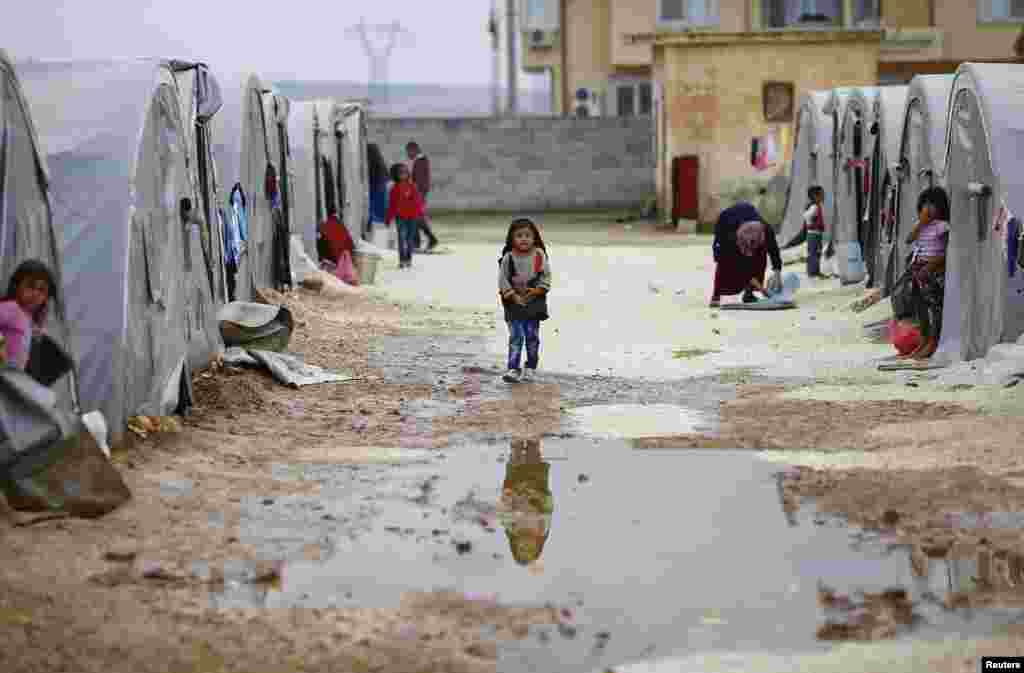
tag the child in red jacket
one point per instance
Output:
(407, 206)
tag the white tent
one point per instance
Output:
(922, 154)
(121, 151)
(984, 170)
(329, 150)
(887, 130)
(812, 161)
(851, 172)
(27, 227)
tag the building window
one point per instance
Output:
(633, 97)
(538, 14)
(687, 13)
(1001, 10)
(866, 13)
(646, 98)
(626, 100)
(803, 13)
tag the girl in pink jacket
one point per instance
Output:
(23, 310)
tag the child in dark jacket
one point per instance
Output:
(524, 280)
(406, 206)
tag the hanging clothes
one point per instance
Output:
(1013, 246)
(329, 197)
(239, 211)
(232, 238)
(281, 248)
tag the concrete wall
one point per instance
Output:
(528, 164)
(966, 38)
(713, 96)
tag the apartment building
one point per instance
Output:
(597, 64)
(722, 77)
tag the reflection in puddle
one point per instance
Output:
(652, 549)
(615, 421)
(526, 503)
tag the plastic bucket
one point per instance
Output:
(366, 267)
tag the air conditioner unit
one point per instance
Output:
(587, 103)
(541, 39)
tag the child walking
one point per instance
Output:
(23, 310)
(524, 280)
(406, 205)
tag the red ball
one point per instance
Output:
(905, 337)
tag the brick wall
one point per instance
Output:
(713, 97)
(528, 164)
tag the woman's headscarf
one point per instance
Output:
(750, 237)
(749, 226)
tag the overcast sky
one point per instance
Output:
(302, 39)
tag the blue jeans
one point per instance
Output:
(406, 238)
(814, 241)
(523, 332)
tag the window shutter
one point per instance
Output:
(626, 100)
(712, 13)
(552, 19)
(987, 10)
(672, 10)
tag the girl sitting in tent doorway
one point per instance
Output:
(23, 310)
(929, 238)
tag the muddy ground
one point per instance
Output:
(131, 591)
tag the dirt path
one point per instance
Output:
(132, 591)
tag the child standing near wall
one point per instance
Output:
(524, 280)
(407, 207)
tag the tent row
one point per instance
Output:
(121, 176)
(875, 149)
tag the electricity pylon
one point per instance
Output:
(379, 55)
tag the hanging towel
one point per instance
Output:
(232, 239)
(238, 207)
(1012, 245)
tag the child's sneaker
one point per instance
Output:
(512, 376)
(528, 375)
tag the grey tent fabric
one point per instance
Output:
(812, 161)
(259, 117)
(351, 117)
(121, 154)
(28, 229)
(984, 170)
(890, 105)
(850, 199)
(922, 152)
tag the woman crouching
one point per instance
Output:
(743, 243)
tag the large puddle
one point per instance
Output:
(657, 553)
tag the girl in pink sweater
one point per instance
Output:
(23, 309)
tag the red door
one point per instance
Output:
(685, 181)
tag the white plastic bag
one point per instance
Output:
(850, 263)
(302, 265)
